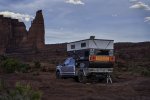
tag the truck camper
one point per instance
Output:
(88, 59)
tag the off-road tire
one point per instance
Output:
(81, 77)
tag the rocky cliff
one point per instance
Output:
(15, 38)
(37, 31)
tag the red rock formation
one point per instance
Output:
(19, 33)
(5, 33)
(37, 32)
(15, 38)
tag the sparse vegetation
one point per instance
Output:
(3, 57)
(133, 67)
(20, 92)
(2, 85)
(9, 65)
(37, 64)
(37, 68)
(145, 72)
(24, 68)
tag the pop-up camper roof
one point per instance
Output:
(90, 43)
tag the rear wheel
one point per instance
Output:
(58, 76)
(81, 77)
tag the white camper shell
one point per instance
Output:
(91, 44)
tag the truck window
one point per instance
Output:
(67, 61)
(102, 52)
(72, 62)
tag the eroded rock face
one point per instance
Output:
(15, 38)
(36, 31)
(11, 34)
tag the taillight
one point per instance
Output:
(112, 59)
(92, 58)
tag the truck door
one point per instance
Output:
(64, 66)
(71, 67)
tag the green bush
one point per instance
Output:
(145, 72)
(21, 92)
(3, 57)
(2, 85)
(37, 64)
(10, 65)
(139, 70)
(24, 68)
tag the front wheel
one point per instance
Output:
(81, 77)
(58, 76)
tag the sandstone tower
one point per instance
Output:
(37, 31)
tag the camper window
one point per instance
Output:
(72, 46)
(83, 45)
(102, 52)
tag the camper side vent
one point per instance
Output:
(83, 45)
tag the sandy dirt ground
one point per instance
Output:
(123, 88)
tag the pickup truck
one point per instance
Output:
(88, 59)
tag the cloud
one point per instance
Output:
(147, 19)
(132, 0)
(75, 2)
(21, 17)
(114, 15)
(140, 5)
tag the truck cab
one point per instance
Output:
(88, 59)
(67, 69)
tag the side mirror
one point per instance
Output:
(63, 64)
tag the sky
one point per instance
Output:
(72, 20)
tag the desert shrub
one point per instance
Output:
(37, 64)
(37, 67)
(45, 69)
(36, 73)
(24, 68)
(3, 57)
(20, 92)
(10, 65)
(145, 72)
(137, 69)
(2, 85)
(55, 61)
